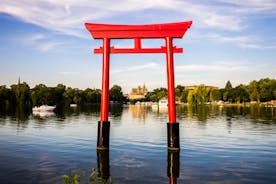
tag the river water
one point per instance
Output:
(232, 144)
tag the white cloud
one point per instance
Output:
(31, 39)
(241, 41)
(136, 68)
(67, 17)
(209, 68)
(230, 39)
(47, 46)
(257, 46)
(40, 42)
(253, 6)
(68, 73)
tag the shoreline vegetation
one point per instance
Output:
(247, 104)
(262, 92)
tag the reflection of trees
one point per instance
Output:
(181, 111)
(138, 111)
(256, 113)
(22, 113)
(86, 109)
(19, 115)
(116, 110)
(62, 111)
(198, 111)
(234, 112)
(201, 112)
(229, 112)
(259, 114)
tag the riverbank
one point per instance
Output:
(220, 103)
(247, 104)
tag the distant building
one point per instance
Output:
(138, 93)
(194, 86)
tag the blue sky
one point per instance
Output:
(45, 41)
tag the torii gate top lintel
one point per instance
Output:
(173, 30)
(138, 32)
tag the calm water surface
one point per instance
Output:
(218, 145)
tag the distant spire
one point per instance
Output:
(19, 80)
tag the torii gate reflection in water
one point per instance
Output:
(137, 32)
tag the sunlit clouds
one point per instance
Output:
(67, 16)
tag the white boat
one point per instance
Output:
(43, 108)
(154, 106)
(161, 106)
(163, 103)
(73, 105)
(138, 103)
(43, 114)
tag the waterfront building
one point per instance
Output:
(138, 93)
(194, 86)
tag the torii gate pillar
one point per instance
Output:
(137, 32)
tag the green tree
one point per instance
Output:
(228, 85)
(215, 95)
(184, 96)
(198, 96)
(79, 97)
(57, 94)
(239, 94)
(116, 94)
(266, 87)
(191, 97)
(227, 96)
(68, 95)
(40, 95)
(4, 96)
(254, 91)
(178, 92)
(92, 96)
(201, 94)
(157, 94)
(22, 93)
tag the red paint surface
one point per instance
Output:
(105, 81)
(137, 50)
(137, 32)
(170, 81)
(174, 30)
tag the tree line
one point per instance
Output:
(263, 90)
(21, 94)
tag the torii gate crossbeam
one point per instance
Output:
(137, 32)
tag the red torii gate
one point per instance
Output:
(137, 32)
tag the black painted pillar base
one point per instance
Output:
(173, 136)
(173, 164)
(103, 164)
(103, 135)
